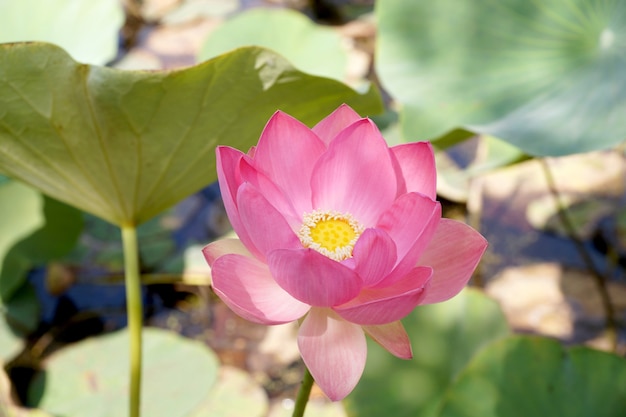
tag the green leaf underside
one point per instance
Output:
(444, 337)
(544, 76)
(90, 378)
(126, 145)
(525, 376)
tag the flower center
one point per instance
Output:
(330, 233)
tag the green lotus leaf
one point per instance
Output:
(524, 376)
(545, 76)
(234, 394)
(125, 145)
(88, 30)
(90, 378)
(310, 47)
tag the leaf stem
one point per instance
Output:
(474, 208)
(303, 394)
(599, 279)
(134, 311)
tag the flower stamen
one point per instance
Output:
(331, 233)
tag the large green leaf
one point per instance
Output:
(546, 76)
(88, 30)
(309, 47)
(444, 337)
(530, 376)
(234, 394)
(90, 378)
(125, 145)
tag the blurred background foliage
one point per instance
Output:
(523, 103)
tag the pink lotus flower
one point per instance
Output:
(340, 229)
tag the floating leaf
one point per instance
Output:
(445, 336)
(235, 394)
(531, 376)
(126, 145)
(545, 76)
(88, 30)
(309, 47)
(90, 378)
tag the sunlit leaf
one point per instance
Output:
(234, 394)
(444, 338)
(126, 145)
(88, 30)
(530, 376)
(90, 378)
(545, 76)
(309, 47)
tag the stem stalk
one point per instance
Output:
(134, 311)
(303, 394)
